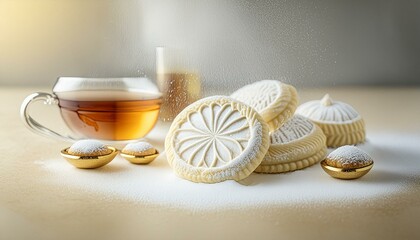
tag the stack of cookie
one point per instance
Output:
(255, 129)
(295, 141)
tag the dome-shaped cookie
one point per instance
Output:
(89, 147)
(347, 162)
(275, 101)
(216, 139)
(340, 122)
(139, 152)
(139, 149)
(299, 143)
(89, 153)
(348, 157)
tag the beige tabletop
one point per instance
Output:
(43, 197)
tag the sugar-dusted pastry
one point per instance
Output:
(216, 139)
(340, 122)
(139, 153)
(89, 154)
(89, 147)
(274, 101)
(299, 143)
(347, 162)
(139, 149)
(348, 157)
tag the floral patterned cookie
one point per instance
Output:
(275, 101)
(216, 139)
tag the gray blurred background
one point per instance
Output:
(230, 43)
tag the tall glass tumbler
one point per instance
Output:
(179, 86)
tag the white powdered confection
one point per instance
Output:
(87, 146)
(297, 127)
(260, 95)
(298, 144)
(350, 156)
(327, 110)
(273, 100)
(138, 147)
(216, 139)
(395, 176)
(341, 124)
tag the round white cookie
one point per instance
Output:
(273, 100)
(299, 143)
(216, 139)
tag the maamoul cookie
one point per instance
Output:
(216, 139)
(89, 154)
(273, 100)
(299, 143)
(340, 122)
(347, 162)
(89, 147)
(140, 153)
(139, 149)
(348, 157)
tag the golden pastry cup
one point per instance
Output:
(342, 173)
(89, 162)
(140, 159)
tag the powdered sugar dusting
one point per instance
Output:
(138, 147)
(212, 136)
(327, 110)
(211, 140)
(396, 172)
(296, 128)
(350, 156)
(87, 146)
(259, 95)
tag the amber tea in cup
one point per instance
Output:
(110, 120)
(114, 109)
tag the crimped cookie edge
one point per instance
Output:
(197, 174)
(293, 166)
(343, 134)
(315, 140)
(286, 112)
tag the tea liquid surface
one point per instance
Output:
(111, 120)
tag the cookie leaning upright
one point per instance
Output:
(216, 139)
(275, 101)
(340, 122)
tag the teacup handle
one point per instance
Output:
(36, 127)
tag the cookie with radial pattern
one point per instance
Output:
(275, 101)
(298, 144)
(216, 139)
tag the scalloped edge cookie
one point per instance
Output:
(295, 155)
(279, 110)
(345, 129)
(236, 169)
(343, 134)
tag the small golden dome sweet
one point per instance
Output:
(139, 152)
(89, 147)
(347, 162)
(89, 154)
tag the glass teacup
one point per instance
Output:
(112, 109)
